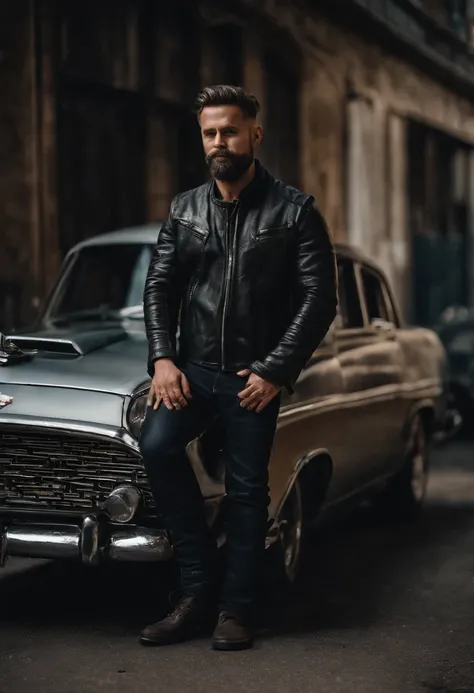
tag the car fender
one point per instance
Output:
(425, 408)
(314, 472)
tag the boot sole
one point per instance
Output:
(171, 639)
(232, 646)
(192, 633)
(149, 642)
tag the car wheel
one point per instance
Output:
(285, 554)
(404, 496)
(465, 405)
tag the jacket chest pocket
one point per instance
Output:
(193, 230)
(191, 242)
(275, 234)
(273, 244)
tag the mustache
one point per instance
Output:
(221, 152)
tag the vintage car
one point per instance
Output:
(72, 485)
(456, 332)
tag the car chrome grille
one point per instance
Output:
(58, 471)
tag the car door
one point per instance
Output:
(384, 359)
(351, 420)
(369, 418)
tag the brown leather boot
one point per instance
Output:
(231, 633)
(180, 624)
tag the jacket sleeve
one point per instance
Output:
(160, 302)
(316, 292)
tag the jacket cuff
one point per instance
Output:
(260, 369)
(156, 356)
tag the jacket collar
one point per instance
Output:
(253, 192)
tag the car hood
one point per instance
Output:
(105, 358)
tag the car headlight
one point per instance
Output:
(136, 413)
(122, 504)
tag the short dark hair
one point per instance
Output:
(227, 95)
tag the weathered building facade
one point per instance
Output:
(368, 105)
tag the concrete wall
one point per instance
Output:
(29, 249)
(354, 103)
(18, 211)
(354, 100)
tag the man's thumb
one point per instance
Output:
(185, 386)
(151, 394)
(244, 373)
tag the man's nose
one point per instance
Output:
(218, 141)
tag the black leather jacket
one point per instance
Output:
(254, 281)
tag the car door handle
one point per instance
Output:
(382, 325)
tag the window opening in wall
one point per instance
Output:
(102, 162)
(225, 47)
(438, 203)
(280, 146)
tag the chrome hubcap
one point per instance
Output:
(419, 462)
(290, 528)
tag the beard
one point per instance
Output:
(231, 168)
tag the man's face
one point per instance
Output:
(229, 140)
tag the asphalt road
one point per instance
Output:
(380, 609)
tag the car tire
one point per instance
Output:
(284, 557)
(465, 405)
(405, 494)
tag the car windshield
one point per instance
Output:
(103, 281)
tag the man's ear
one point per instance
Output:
(257, 135)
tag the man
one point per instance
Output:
(247, 263)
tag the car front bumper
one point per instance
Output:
(92, 542)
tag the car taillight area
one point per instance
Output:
(62, 471)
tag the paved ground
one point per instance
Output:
(379, 610)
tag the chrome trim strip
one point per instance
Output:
(3, 550)
(89, 543)
(139, 545)
(272, 533)
(56, 386)
(23, 339)
(430, 387)
(36, 541)
(344, 400)
(71, 542)
(73, 427)
(128, 400)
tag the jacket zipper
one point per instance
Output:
(228, 278)
(200, 233)
(192, 290)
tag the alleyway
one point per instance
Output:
(379, 610)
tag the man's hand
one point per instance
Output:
(169, 385)
(258, 392)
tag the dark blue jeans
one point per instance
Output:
(248, 442)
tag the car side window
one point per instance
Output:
(375, 300)
(391, 306)
(350, 311)
(138, 277)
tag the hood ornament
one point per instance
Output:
(5, 400)
(10, 353)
